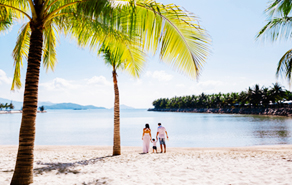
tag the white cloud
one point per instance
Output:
(99, 81)
(159, 75)
(4, 78)
(59, 84)
(210, 84)
(180, 85)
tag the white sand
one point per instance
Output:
(57, 165)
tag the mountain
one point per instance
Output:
(50, 105)
(71, 106)
(125, 107)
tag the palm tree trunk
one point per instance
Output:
(117, 138)
(23, 173)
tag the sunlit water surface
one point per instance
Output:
(95, 127)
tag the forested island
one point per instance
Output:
(274, 100)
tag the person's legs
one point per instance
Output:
(161, 148)
(164, 148)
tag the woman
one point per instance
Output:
(146, 137)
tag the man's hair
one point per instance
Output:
(159, 123)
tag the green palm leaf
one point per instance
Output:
(175, 33)
(20, 51)
(50, 42)
(279, 27)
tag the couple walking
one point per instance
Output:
(146, 137)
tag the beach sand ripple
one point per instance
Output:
(94, 165)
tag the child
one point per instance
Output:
(154, 145)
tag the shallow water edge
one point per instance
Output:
(253, 111)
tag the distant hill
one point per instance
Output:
(71, 106)
(50, 105)
(18, 104)
(125, 107)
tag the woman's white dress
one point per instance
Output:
(146, 142)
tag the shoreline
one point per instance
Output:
(249, 111)
(18, 111)
(264, 164)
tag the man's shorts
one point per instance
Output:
(162, 141)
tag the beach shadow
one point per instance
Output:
(65, 167)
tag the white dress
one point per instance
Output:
(146, 142)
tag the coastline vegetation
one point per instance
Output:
(6, 106)
(253, 97)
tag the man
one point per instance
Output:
(161, 131)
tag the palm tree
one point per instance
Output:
(183, 43)
(266, 97)
(6, 106)
(37, 39)
(256, 95)
(277, 93)
(132, 65)
(279, 26)
(11, 106)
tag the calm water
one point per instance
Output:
(95, 127)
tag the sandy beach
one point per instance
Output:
(84, 165)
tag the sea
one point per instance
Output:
(95, 127)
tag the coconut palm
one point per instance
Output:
(277, 93)
(133, 65)
(279, 19)
(266, 97)
(37, 40)
(256, 95)
(11, 106)
(167, 28)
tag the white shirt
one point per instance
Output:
(161, 131)
(154, 143)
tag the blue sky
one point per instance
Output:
(236, 62)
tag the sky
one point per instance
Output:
(236, 62)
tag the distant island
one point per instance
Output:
(49, 105)
(72, 106)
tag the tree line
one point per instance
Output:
(6, 106)
(253, 97)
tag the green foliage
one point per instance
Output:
(173, 32)
(6, 106)
(42, 108)
(253, 97)
(279, 26)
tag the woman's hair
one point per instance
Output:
(147, 125)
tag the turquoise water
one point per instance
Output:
(95, 127)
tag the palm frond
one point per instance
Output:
(277, 28)
(20, 51)
(5, 19)
(19, 9)
(175, 33)
(278, 8)
(285, 66)
(50, 42)
(124, 56)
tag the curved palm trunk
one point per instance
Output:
(117, 138)
(23, 173)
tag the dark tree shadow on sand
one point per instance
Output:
(65, 167)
